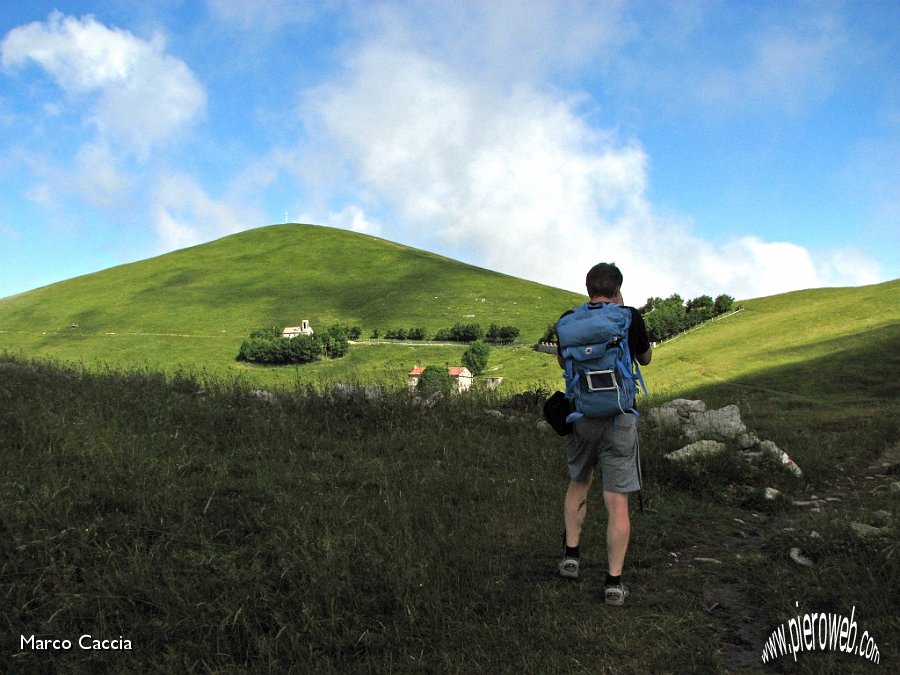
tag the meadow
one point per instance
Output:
(152, 496)
(191, 309)
(216, 531)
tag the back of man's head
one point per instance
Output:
(603, 280)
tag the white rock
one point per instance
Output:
(799, 558)
(723, 424)
(782, 456)
(697, 449)
(864, 531)
(687, 405)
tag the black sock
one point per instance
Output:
(613, 581)
(573, 551)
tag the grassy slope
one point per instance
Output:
(811, 368)
(785, 330)
(193, 307)
(205, 524)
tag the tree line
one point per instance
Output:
(267, 345)
(459, 332)
(666, 318)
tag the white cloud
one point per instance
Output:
(185, 215)
(144, 96)
(353, 217)
(98, 176)
(515, 179)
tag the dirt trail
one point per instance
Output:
(727, 595)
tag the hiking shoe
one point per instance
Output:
(569, 568)
(615, 595)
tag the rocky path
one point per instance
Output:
(729, 598)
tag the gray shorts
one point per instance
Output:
(614, 442)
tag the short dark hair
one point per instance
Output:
(603, 279)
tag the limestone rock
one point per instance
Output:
(697, 449)
(866, 532)
(723, 424)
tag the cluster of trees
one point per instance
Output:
(666, 318)
(459, 332)
(267, 346)
(404, 334)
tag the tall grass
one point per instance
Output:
(222, 532)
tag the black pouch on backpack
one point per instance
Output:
(556, 409)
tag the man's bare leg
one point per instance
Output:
(618, 530)
(575, 510)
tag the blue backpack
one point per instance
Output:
(601, 378)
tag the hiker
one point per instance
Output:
(604, 420)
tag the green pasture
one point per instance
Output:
(151, 494)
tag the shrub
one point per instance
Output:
(502, 334)
(460, 332)
(549, 334)
(417, 334)
(434, 378)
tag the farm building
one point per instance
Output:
(462, 378)
(293, 331)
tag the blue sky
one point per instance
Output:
(709, 147)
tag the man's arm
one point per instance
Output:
(644, 359)
(641, 349)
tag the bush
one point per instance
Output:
(475, 357)
(396, 334)
(417, 334)
(460, 332)
(549, 334)
(434, 378)
(502, 334)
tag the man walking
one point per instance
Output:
(610, 439)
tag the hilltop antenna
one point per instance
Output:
(285, 217)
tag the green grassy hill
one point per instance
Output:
(192, 308)
(220, 532)
(836, 337)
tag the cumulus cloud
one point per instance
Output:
(511, 175)
(143, 95)
(185, 215)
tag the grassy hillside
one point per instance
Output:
(219, 532)
(791, 329)
(192, 308)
